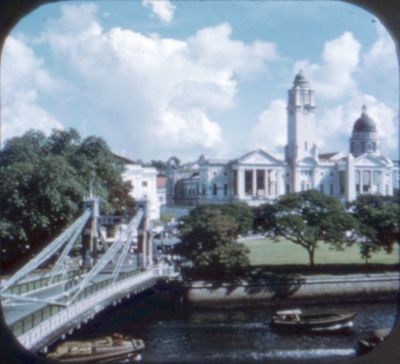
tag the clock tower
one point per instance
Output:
(301, 124)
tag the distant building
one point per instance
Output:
(162, 190)
(257, 176)
(144, 183)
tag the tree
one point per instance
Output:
(378, 218)
(208, 241)
(241, 213)
(43, 181)
(307, 218)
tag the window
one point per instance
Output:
(321, 188)
(225, 189)
(331, 189)
(215, 189)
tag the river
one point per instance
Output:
(223, 334)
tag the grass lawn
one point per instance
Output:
(265, 251)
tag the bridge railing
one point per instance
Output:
(84, 308)
(33, 329)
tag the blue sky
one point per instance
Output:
(163, 78)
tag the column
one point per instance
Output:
(381, 182)
(237, 183)
(254, 192)
(279, 182)
(371, 181)
(150, 249)
(266, 188)
(241, 193)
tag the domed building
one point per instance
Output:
(257, 176)
(364, 138)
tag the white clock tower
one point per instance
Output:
(301, 126)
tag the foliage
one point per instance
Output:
(208, 241)
(378, 218)
(43, 181)
(242, 214)
(306, 218)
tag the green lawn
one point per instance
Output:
(265, 251)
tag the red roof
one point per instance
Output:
(161, 182)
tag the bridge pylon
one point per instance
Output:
(90, 232)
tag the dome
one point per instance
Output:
(299, 79)
(364, 124)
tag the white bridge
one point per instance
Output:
(59, 290)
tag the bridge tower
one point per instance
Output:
(90, 232)
(145, 239)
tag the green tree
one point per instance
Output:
(242, 214)
(208, 241)
(43, 181)
(378, 218)
(307, 218)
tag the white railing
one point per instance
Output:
(93, 302)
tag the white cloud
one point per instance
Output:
(270, 131)
(187, 128)
(336, 124)
(333, 77)
(163, 9)
(349, 77)
(213, 47)
(23, 113)
(149, 88)
(24, 78)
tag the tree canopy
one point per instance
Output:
(43, 181)
(307, 218)
(378, 218)
(208, 240)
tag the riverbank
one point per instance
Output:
(282, 289)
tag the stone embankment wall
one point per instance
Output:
(307, 288)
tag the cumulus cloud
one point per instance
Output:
(146, 87)
(334, 76)
(163, 9)
(336, 124)
(24, 77)
(345, 69)
(270, 131)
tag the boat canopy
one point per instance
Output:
(289, 312)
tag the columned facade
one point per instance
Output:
(258, 177)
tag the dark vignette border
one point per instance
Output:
(11, 11)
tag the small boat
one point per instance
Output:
(105, 350)
(295, 320)
(366, 345)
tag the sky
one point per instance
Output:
(185, 78)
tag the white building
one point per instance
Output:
(144, 183)
(257, 176)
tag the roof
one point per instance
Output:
(299, 79)
(289, 312)
(326, 155)
(124, 159)
(364, 123)
(161, 182)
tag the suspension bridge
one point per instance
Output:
(59, 290)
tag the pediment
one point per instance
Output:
(367, 160)
(259, 157)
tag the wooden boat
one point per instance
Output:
(295, 320)
(105, 350)
(369, 343)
